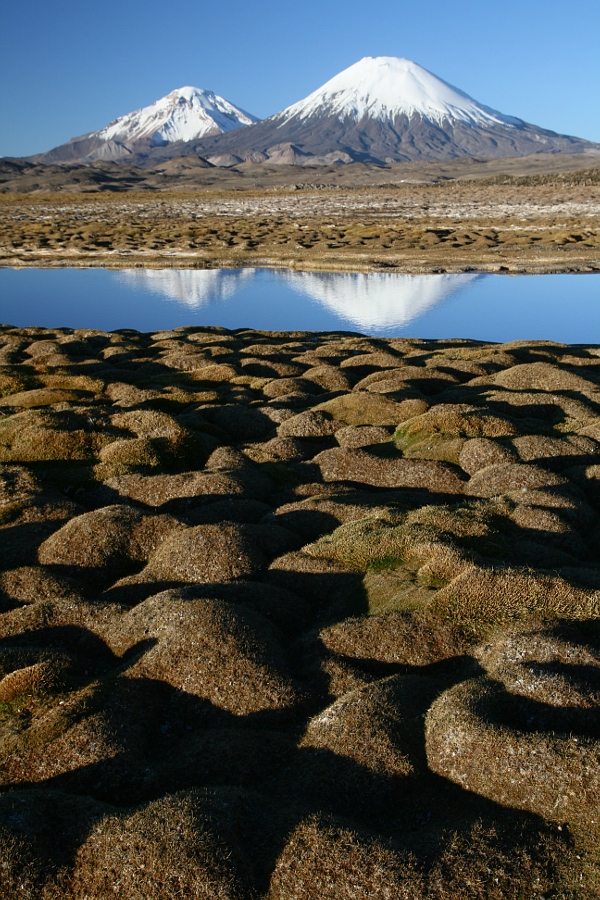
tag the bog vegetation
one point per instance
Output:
(298, 616)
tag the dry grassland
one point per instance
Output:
(298, 615)
(527, 224)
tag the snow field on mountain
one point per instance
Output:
(185, 114)
(384, 87)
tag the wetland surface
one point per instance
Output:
(298, 615)
(484, 307)
(517, 226)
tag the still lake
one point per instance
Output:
(562, 308)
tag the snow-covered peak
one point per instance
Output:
(383, 87)
(185, 114)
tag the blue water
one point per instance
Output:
(487, 307)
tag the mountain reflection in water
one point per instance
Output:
(374, 300)
(192, 287)
(377, 299)
(564, 308)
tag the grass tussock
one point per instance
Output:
(298, 615)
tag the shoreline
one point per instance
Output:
(506, 266)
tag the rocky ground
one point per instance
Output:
(298, 616)
(538, 223)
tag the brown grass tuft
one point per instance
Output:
(479, 598)
(328, 860)
(470, 742)
(209, 648)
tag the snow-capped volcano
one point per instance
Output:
(384, 109)
(379, 110)
(385, 87)
(185, 114)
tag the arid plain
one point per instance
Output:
(416, 218)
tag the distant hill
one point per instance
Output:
(194, 173)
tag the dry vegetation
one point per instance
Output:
(298, 616)
(537, 223)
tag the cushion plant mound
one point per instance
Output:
(309, 424)
(395, 637)
(178, 845)
(459, 420)
(479, 453)
(553, 665)
(127, 455)
(556, 452)
(209, 648)
(376, 359)
(105, 543)
(363, 409)
(17, 484)
(100, 741)
(298, 615)
(315, 516)
(40, 397)
(207, 553)
(158, 490)
(40, 831)
(543, 376)
(40, 677)
(362, 435)
(329, 860)
(287, 449)
(357, 465)
(329, 378)
(38, 436)
(472, 741)
(481, 597)
(535, 411)
(377, 727)
(503, 478)
(35, 584)
(411, 380)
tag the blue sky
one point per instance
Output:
(70, 67)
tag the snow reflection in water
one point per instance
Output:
(368, 301)
(563, 308)
(192, 287)
(377, 300)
